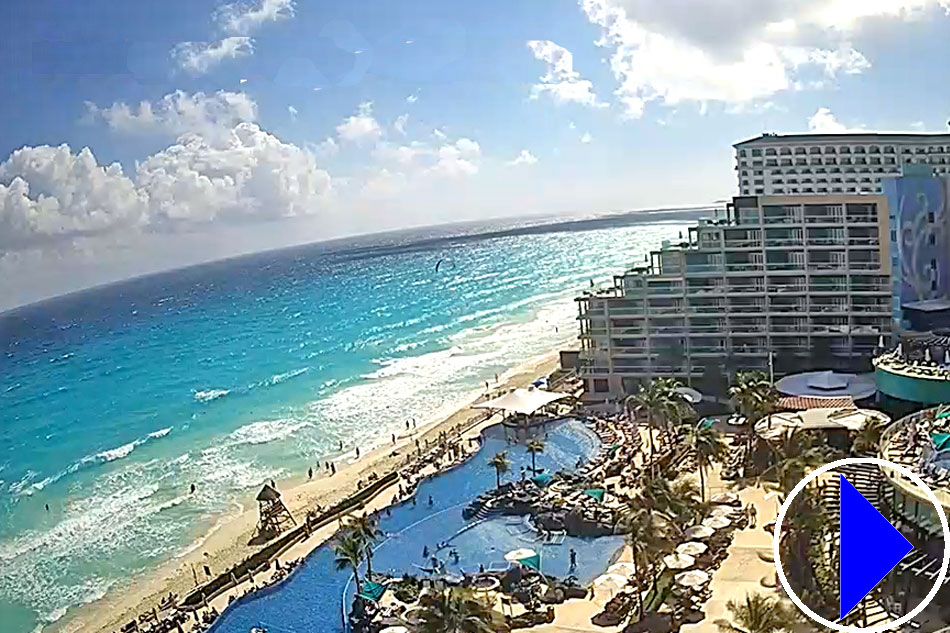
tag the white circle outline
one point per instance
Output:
(877, 628)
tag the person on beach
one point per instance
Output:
(394, 438)
(193, 488)
(573, 559)
(47, 507)
(341, 445)
(332, 468)
(753, 515)
(310, 473)
(357, 452)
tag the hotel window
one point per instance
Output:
(930, 217)
(601, 385)
(932, 238)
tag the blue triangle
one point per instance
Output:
(870, 547)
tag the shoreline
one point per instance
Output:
(223, 544)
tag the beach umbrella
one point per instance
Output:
(517, 555)
(606, 586)
(693, 578)
(722, 511)
(679, 561)
(716, 523)
(698, 532)
(693, 548)
(726, 498)
(622, 569)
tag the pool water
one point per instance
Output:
(310, 601)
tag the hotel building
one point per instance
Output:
(816, 164)
(792, 275)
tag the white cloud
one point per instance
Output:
(255, 176)
(418, 159)
(293, 112)
(560, 79)
(241, 18)
(412, 98)
(327, 148)
(360, 127)
(400, 123)
(825, 122)
(458, 159)
(199, 57)
(50, 196)
(439, 134)
(586, 137)
(524, 158)
(385, 183)
(179, 112)
(918, 126)
(734, 51)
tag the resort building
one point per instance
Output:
(916, 370)
(815, 164)
(785, 283)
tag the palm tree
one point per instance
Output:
(349, 550)
(646, 539)
(869, 437)
(755, 397)
(655, 400)
(706, 446)
(501, 465)
(365, 528)
(457, 611)
(534, 447)
(758, 614)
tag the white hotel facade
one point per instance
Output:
(800, 263)
(818, 164)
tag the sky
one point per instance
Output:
(142, 136)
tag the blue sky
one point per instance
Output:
(249, 125)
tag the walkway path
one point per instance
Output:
(743, 569)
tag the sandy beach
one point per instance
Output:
(226, 544)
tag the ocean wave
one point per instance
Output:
(266, 431)
(276, 379)
(102, 457)
(211, 394)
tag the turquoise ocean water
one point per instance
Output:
(113, 401)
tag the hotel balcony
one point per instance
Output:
(833, 260)
(740, 306)
(744, 326)
(791, 307)
(833, 307)
(705, 307)
(825, 238)
(783, 238)
(746, 288)
(861, 213)
(660, 288)
(824, 214)
(864, 260)
(704, 287)
(699, 268)
(786, 285)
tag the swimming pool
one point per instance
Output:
(310, 600)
